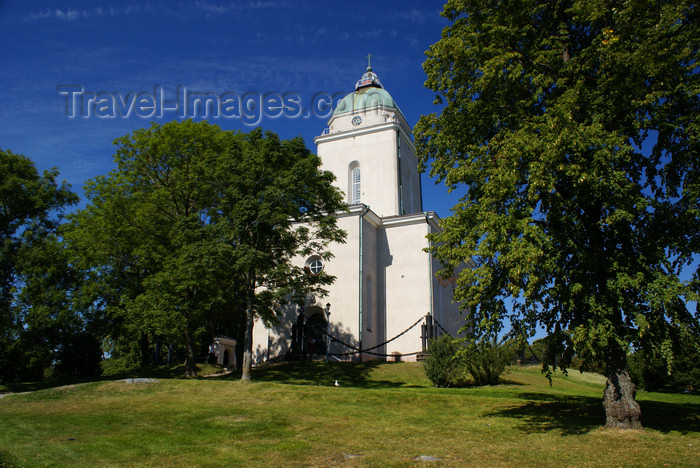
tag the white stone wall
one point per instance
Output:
(343, 295)
(404, 288)
(445, 310)
(376, 154)
(407, 283)
(373, 144)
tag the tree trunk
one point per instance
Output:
(248, 341)
(190, 367)
(621, 409)
(156, 354)
(144, 344)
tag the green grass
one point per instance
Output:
(383, 414)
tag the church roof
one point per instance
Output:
(368, 93)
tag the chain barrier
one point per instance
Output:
(442, 328)
(373, 347)
(402, 333)
(375, 354)
(369, 350)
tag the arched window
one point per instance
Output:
(355, 186)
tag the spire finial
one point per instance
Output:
(368, 78)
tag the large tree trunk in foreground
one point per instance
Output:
(248, 341)
(621, 409)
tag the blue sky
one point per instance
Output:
(248, 48)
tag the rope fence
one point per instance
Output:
(370, 350)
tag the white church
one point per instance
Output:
(386, 300)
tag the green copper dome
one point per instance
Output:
(368, 93)
(364, 98)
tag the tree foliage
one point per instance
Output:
(573, 126)
(195, 229)
(651, 371)
(34, 319)
(280, 206)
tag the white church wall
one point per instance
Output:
(375, 152)
(407, 284)
(370, 331)
(403, 289)
(343, 294)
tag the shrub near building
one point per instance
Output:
(451, 361)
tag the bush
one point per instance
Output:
(486, 360)
(450, 362)
(445, 366)
(117, 366)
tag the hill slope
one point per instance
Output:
(382, 414)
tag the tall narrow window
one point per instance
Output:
(355, 187)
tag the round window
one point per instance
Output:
(357, 120)
(314, 265)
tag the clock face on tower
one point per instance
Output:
(357, 120)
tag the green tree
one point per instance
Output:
(31, 206)
(115, 254)
(56, 332)
(278, 206)
(652, 371)
(144, 241)
(573, 126)
(194, 223)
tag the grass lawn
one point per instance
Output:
(383, 414)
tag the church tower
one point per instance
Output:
(368, 147)
(386, 299)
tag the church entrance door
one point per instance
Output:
(317, 333)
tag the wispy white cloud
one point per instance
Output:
(65, 15)
(369, 33)
(68, 15)
(208, 8)
(225, 8)
(416, 16)
(72, 14)
(412, 16)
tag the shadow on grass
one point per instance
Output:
(502, 381)
(576, 415)
(153, 372)
(540, 412)
(6, 461)
(348, 374)
(667, 417)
